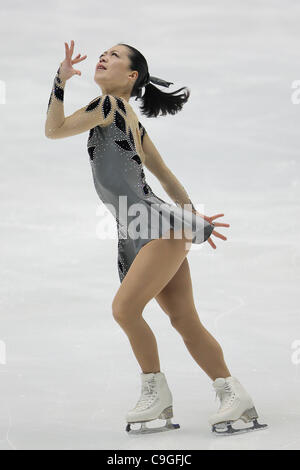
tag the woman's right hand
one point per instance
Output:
(66, 67)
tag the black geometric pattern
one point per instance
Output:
(137, 159)
(106, 106)
(120, 122)
(121, 268)
(123, 144)
(91, 133)
(59, 92)
(91, 152)
(121, 104)
(146, 188)
(93, 104)
(130, 146)
(142, 131)
(127, 144)
(57, 78)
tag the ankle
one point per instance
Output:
(151, 372)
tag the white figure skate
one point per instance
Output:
(235, 404)
(155, 403)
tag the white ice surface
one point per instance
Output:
(69, 375)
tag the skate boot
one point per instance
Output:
(155, 403)
(235, 404)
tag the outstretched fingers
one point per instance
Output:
(220, 224)
(78, 58)
(219, 235)
(72, 47)
(67, 50)
(209, 240)
(216, 216)
(70, 50)
(216, 234)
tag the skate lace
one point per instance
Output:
(226, 395)
(148, 395)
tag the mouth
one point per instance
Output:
(100, 67)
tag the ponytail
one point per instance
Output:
(154, 101)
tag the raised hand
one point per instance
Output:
(216, 224)
(66, 67)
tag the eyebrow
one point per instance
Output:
(114, 50)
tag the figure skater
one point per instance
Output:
(154, 265)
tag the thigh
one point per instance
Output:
(153, 267)
(176, 298)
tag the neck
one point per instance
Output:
(124, 96)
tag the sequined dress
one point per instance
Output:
(115, 147)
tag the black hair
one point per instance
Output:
(154, 100)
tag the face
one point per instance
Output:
(117, 74)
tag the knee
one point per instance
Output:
(177, 321)
(123, 311)
(119, 310)
(186, 324)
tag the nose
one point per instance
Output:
(101, 61)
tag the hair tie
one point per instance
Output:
(156, 80)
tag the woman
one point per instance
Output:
(155, 265)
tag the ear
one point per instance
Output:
(134, 75)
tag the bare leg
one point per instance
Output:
(154, 266)
(176, 299)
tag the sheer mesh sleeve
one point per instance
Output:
(142, 131)
(99, 112)
(157, 166)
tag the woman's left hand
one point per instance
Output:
(216, 224)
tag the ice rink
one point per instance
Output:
(68, 374)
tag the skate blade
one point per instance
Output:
(226, 429)
(169, 426)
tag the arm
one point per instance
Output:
(99, 112)
(155, 163)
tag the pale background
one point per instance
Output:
(69, 375)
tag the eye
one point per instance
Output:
(111, 54)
